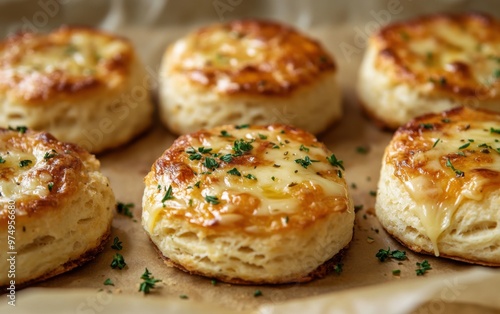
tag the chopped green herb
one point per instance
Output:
(339, 173)
(117, 244)
(148, 282)
(50, 186)
(124, 209)
(242, 126)
(250, 176)
(204, 150)
(24, 163)
(226, 158)
(2, 160)
(20, 129)
(335, 162)
(383, 255)
(210, 163)
(195, 156)
(445, 120)
(435, 143)
(484, 145)
(427, 125)
(423, 268)
(183, 296)
(362, 150)
(303, 148)
(450, 165)
(257, 293)
(471, 140)
(212, 199)
(496, 73)
(50, 154)
(190, 203)
(305, 162)
(262, 136)
(370, 240)
(396, 272)
(286, 219)
(373, 193)
(234, 172)
(108, 282)
(224, 133)
(168, 195)
(273, 178)
(197, 184)
(241, 146)
(118, 261)
(493, 130)
(338, 268)
(464, 146)
(213, 282)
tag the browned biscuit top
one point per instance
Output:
(249, 57)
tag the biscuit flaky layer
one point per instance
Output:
(431, 64)
(439, 188)
(81, 85)
(248, 203)
(56, 199)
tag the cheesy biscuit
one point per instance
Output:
(248, 71)
(249, 204)
(439, 188)
(55, 206)
(431, 64)
(81, 85)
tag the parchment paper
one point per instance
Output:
(365, 285)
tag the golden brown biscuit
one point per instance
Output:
(80, 84)
(248, 71)
(56, 207)
(431, 64)
(439, 188)
(250, 204)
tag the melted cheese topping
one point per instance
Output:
(37, 171)
(249, 56)
(33, 66)
(261, 188)
(458, 55)
(444, 160)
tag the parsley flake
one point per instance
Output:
(257, 293)
(262, 136)
(50, 186)
(493, 130)
(422, 267)
(338, 268)
(457, 172)
(464, 146)
(210, 163)
(396, 272)
(303, 148)
(428, 126)
(2, 160)
(124, 209)
(226, 158)
(224, 133)
(234, 172)
(50, 154)
(241, 146)
(168, 195)
(435, 143)
(24, 163)
(383, 255)
(250, 176)
(118, 261)
(117, 244)
(335, 162)
(184, 297)
(148, 282)
(212, 199)
(242, 126)
(197, 184)
(108, 282)
(362, 150)
(305, 162)
(20, 129)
